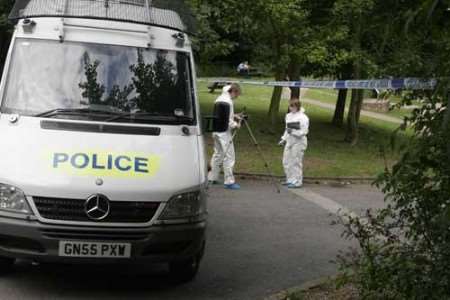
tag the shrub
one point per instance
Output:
(405, 248)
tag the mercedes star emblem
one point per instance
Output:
(97, 207)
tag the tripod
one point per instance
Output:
(261, 154)
(258, 148)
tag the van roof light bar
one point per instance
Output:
(172, 14)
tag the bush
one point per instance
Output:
(405, 248)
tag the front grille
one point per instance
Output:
(96, 235)
(73, 210)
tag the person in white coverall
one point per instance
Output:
(295, 141)
(223, 142)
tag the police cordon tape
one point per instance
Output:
(379, 84)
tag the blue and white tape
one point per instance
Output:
(378, 84)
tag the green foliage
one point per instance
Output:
(405, 248)
(94, 92)
(5, 7)
(281, 33)
(5, 30)
(119, 98)
(274, 31)
(221, 27)
(153, 82)
(91, 89)
(154, 85)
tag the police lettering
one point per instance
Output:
(82, 161)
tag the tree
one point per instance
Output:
(5, 30)
(353, 16)
(221, 27)
(158, 85)
(329, 54)
(356, 40)
(405, 248)
(91, 89)
(165, 81)
(282, 35)
(276, 30)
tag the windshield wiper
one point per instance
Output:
(150, 116)
(59, 111)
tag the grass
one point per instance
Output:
(330, 97)
(326, 96)
(327, 154)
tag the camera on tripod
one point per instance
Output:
(242, 116)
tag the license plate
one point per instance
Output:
(94, 250)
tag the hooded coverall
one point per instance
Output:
(223, 145)
(296, 143)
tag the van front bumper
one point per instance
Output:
(32, 240)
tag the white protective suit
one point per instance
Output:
(296, 143)
(223, 145)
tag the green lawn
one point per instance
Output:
(327, 154)
(330, 97)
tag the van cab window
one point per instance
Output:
(85, 81)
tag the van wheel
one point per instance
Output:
(184, 271)
(6, 265)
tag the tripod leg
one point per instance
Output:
(231, 141)
(266, 164)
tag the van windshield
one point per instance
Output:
(85, 81)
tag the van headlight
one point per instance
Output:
(184, 206)
(12, 199)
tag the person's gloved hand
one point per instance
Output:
(239, 116)
(281, 143)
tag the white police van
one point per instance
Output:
(102, 155)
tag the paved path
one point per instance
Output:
(365, 113)
(259, 242)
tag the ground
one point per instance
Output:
(327, 155)
(259, 242)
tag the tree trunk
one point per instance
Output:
(295, 93)
(354, 113)
(338, 119)
(359, 105)
(294, 75)
(274, 108)
(275, 105)
(352, 134)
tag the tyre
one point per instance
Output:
(184, 271)
(6, 265)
